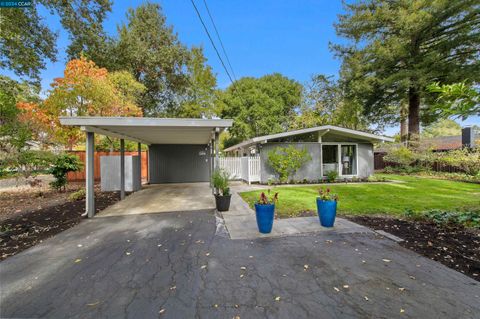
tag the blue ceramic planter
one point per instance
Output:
(327, 210)
(265, 214)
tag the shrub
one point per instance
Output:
(78, 195)
(220, 182)
(401, 155)
(468, 218)
(285, 161)
(332, 176)
(63, 164)
(26, 162)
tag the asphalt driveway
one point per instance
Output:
(172, 265)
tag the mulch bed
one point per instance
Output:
(30, 228)
(454, 246)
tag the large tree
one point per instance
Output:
(324, 102)
(26, 42)
(259, 106)
(151, 51)
(84, 90)
(200, 94)
(399, 47)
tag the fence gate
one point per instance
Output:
(245, 168)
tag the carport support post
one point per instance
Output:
(139, 147)
(122, 168)
(217, 148)
(90, 178)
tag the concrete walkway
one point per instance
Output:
(161, 198)
(241, 223)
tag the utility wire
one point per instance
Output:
(220, 40)
(216, 50)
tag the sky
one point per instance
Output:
(261, 37)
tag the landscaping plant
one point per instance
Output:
(326, 194)
(220, 183)
(285, 161)
(267, 199)
(63, 164)
(332, 176)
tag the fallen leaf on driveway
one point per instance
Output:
(78, 260)
(386, 260)
(93, 304)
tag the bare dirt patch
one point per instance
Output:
(29, 218)
(454, 246)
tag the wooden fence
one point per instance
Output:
(80, 175)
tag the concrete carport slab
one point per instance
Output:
(162, 198)
(148, 131)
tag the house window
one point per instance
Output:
(329, 158)
(349, 159)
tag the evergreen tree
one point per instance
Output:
(399, 47)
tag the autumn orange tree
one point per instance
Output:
(84, 90)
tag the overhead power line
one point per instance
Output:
(216, 51)
(220, 40)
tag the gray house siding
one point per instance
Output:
(365, 159)
(178, 163)
(311, 171)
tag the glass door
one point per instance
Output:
(349, 159)
(329, 158)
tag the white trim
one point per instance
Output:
(343, 131)
(339, 154)
(143, 121)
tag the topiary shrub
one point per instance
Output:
(285, 161)
(63, 164)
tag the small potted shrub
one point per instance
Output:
(265, 212)
(327, 207)
(221, 190)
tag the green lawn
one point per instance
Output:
(414, 193)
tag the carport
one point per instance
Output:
(180, 150)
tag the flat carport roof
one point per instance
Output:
(144, 131)
(148, 130)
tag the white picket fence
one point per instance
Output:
(246, 168)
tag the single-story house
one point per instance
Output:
(180, 150)
(347, 151)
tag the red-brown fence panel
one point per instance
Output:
(80, 175)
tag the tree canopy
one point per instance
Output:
(259, 106)
(397, 48)
(85, 90)
(444, 127)
(27, 42)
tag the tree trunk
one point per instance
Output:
(413, 116)
(403, 123)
